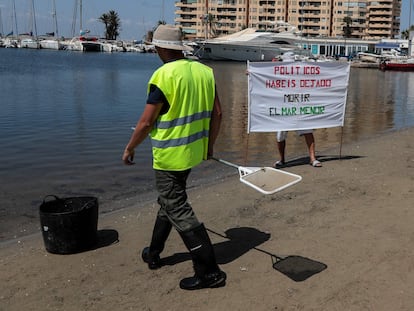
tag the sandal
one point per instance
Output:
(316, 163)
(279, 164)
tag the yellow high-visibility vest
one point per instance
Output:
(180, 136)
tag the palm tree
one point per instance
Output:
(104, 18)
(211, 21)
(112, 24)
(405, 34)
(347, 30)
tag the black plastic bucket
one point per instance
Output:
(69, 225)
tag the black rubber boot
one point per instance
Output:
(207, 273)
(151, 254)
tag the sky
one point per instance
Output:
(137, 16)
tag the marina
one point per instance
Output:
(80, 44)
(249, 45)
(83, 42)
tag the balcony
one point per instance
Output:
(226, 20)
(186, 2)
(185, 5)
(186, 11)
(379, 8)
(384, 32)
(263, 3)
(380, 19)
(182, 20)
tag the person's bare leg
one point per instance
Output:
(281, 146)
(310, 142)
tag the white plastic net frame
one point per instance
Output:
(267, 180)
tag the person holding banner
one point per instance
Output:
(308, 134)
(182, 116)
(296, 96)
(310, 142)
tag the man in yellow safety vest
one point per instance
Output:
(182, 117)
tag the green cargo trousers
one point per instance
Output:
(172, 198)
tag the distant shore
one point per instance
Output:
(358, 64)
(139, 47)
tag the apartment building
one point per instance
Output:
(363, 19)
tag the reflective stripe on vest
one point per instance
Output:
(179, 141)
(182, 121)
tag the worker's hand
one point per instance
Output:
(128, 156)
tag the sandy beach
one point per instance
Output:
(341, 239)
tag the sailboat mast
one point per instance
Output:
(80, 15)
(55, 19)
(34, 19)
(75, 13)
(1, 24)
(15, 18)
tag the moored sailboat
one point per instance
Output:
(52, 40)
(84, 42)
(29, 39)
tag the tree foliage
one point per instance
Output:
(112, 24)
(347, 30)
(405, 34)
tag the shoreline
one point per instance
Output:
(89, 164)
(352, 215)
(204, 175)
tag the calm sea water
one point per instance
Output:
(65, 118)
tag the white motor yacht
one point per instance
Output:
(251, 44)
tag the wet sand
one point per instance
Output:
(341, 237)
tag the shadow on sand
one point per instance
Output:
(106, 237)
(241, 240)
(321, 158)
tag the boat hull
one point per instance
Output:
(51, 45)
(397, 66)
(89, 46)
(236, 52)
(29, 44)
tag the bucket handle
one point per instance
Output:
(59, 199)
(51, 195)
(85, 205)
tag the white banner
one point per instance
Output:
(286, 96)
